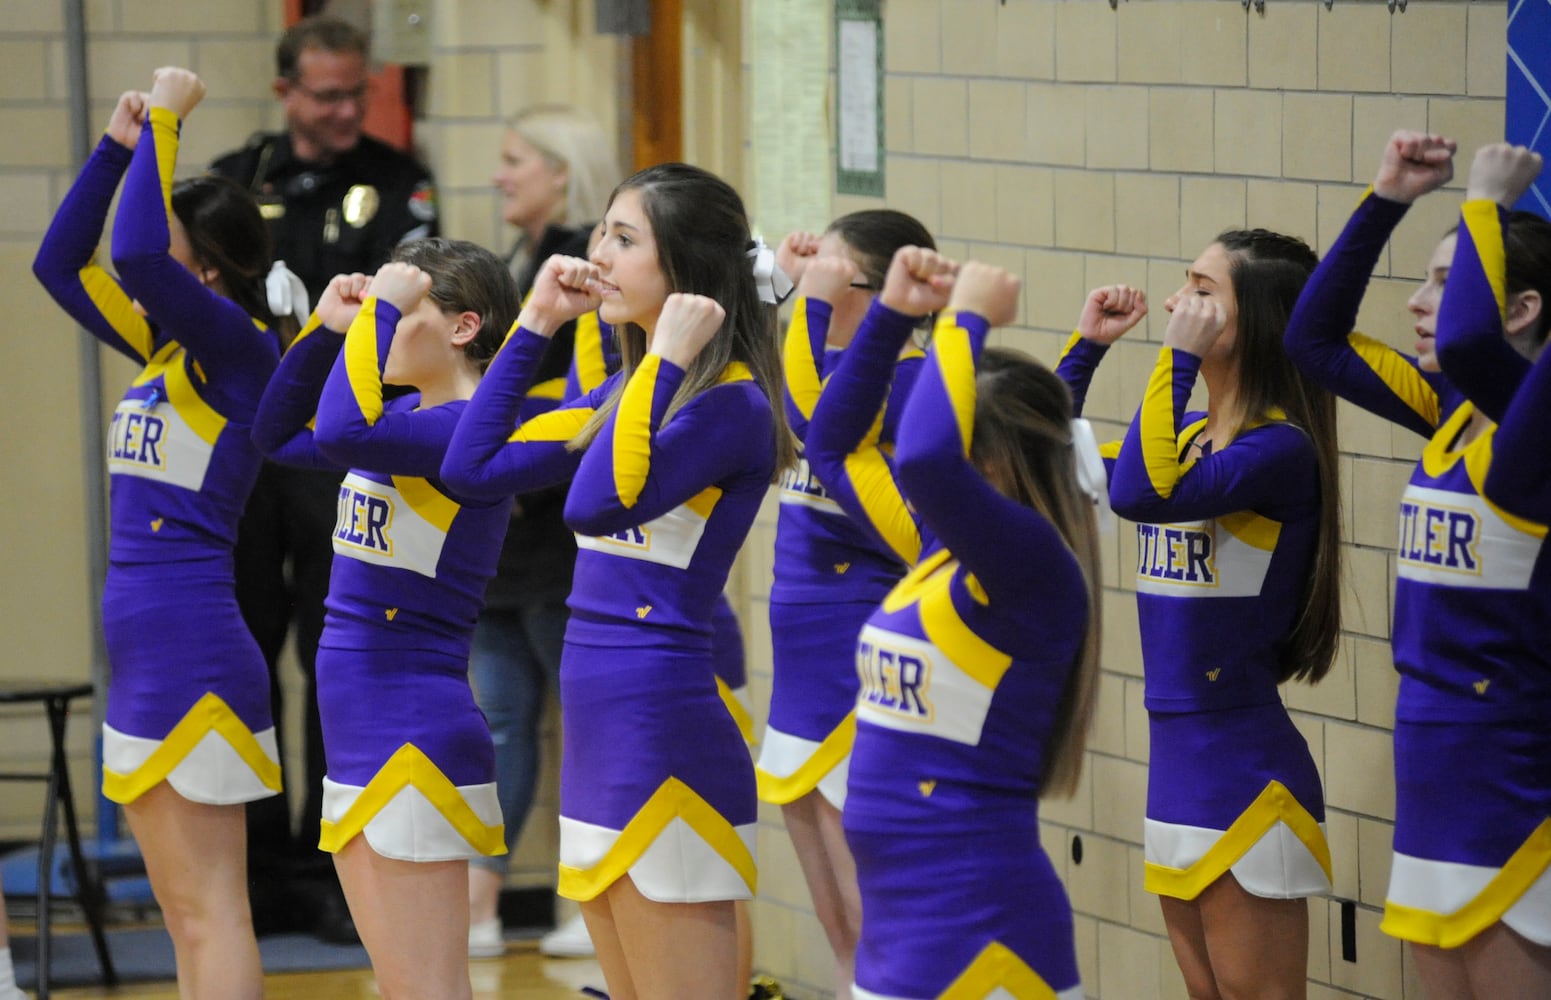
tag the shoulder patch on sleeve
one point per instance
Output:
(422, 201)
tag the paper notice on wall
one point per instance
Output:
(789, 117)
(857, 66)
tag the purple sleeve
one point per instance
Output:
(65, 264)
(355, 429)
(236, 353)
(906, 371)
(857, 391)
(283, 429)
(805, 362)
(1519, 478)
(573, 383)
(845, 437)
(1319, 336)
(1078, 362)
(494, 452)
(593, 356)
(1002, 542)
(1472, 348)
(1149, 482)
(639, 469)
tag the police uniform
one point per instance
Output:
(335, 218)
(342, 217)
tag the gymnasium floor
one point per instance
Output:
(523, 974)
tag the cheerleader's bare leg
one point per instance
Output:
(1497, 963)
(413, 917)
(1233, 945)
(196, 855)
(814, 826)
(670, 950)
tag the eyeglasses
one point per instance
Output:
(333, 98)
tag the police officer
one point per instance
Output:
(337, 201)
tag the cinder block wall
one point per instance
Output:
(1075, 144)
(1079, 145)
(46, 593)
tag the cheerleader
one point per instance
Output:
(830, 571)
(671, 459)
(595, 358)
(554, 177)
(977, 670)
(1469, 886)
(1238, 520)
(410, 794)
(188, 736)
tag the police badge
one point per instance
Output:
(360, 205)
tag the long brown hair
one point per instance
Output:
(1527, 256)
(467, 277)
(702, 236)
(227, 233)
(1023, 442)
(1268, 271)
(875, 235)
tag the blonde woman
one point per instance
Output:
(555, 177)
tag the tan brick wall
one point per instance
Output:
(46, 627)
(1075, 143)
(489, 60)
(1097, 145)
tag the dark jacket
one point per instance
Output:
(334, 219)
(540, 552)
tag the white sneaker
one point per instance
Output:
(485, 939)
(569, 940)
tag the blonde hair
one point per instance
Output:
(572, 141)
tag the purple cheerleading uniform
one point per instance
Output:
(1223, 538)
(1472, 631)
(188, 700)
(727, 662)
(410, 762)
(961, 670)
(594, 358)
(830, 571)
(655, 782)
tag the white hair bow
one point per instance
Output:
(1091, 477)
(774, 286)
(287, 295)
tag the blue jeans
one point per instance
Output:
(516, 652)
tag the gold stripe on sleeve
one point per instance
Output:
(361, 362)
